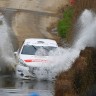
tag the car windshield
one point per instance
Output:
(37, 50)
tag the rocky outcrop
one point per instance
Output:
(80, 78)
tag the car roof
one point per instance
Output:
(40, 42)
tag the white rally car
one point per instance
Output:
(34, 59)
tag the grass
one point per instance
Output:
(65, 23)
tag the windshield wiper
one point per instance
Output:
(45, 48)
(34, 47)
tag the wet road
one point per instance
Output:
(10, 86)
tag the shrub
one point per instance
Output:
(65, 23)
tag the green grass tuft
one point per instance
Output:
(65, 23)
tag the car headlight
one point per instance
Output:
(22, 63)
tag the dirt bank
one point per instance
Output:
(33, 17)
(80, 78)
(29, 25)
(34, 5)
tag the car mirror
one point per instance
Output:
(15, 53)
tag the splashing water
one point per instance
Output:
(6, 49)
(86, 38)
(63, 57)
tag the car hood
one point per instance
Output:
(37, 61)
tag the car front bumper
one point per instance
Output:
(23, 72)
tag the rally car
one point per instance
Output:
(34, 59)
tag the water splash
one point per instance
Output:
(7, 58)
(63, 58)
(87, 33)
(86, 38)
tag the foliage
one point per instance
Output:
(65, 23)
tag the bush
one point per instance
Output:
(65, 23)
